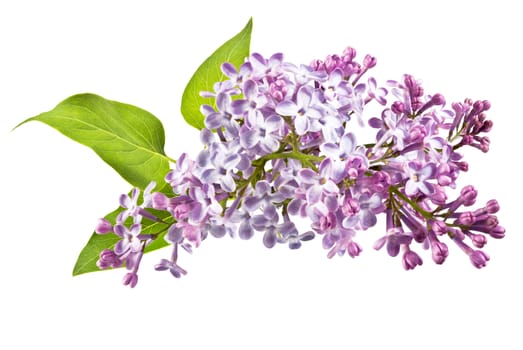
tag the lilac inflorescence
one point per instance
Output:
(279, 147)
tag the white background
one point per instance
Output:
(239, 295)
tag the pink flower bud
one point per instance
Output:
(103, 226)
(479, 259)
(411, 260)
(497, 232)
(440, 252)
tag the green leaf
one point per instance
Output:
(86, 261)
(128, 138)
(233, 51)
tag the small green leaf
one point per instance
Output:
(128, 138)
(86, 261)
(233, 51)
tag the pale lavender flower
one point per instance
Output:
(393, 127)
(237, 77)
(303, 111)
(375, 92)
(262, 132)
(419, 175)
(266, 68)
(341, 153)
(130, 240)
(369, 206)
(217, 166)
(267, 222)
(130, 204)
(205, 203)
(182, 176)
(252, 103)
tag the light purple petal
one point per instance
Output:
(368, 219)
(427, 171)
(270, 144)
(294, 206)
(411, 187)
(215, 208)
(218, 231)
(313, 194)
(223, 102)
(302, 124)
(244, 163)
(230, 161)
(318, 211)
(350, 221)
(380, 243)
(271, 214)
(203, 158)
(374, 201)
(250, 89)
(227, 183)
(252, 203)
(288, 228)
(249, 138)
(259, 222)
(245, 230)
(120, 230)
(174, 234)
(426, 187)
(332, 203)
(314, 113)
(214, 120)
(325, 168)
(207, 136)
(120, 247)
(197, 213)
(239, 106)
(211, 176)
(262, 187)
(229, 70)
(348, 143)
(330, 187)
(287, 108)
(135, 245)
(330, 150)
(304, 97)
(375, 123)
(269, 239)
(245, 69)
(273, 123)
(307, 176)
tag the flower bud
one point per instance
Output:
(468, 195)
(478, 240)
(479, 259)
(497, 232)
(103, 226)
(130, 279)
(440, 252)
(411, 260)
(467, 218)
(354, 249)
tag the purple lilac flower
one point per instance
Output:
(304, 112)
(419, 175)
(279, 145)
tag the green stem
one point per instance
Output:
(427, 215)
(304, 158)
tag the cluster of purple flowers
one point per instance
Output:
(279, 146)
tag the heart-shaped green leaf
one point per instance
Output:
(233, 51)
(128, 138)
